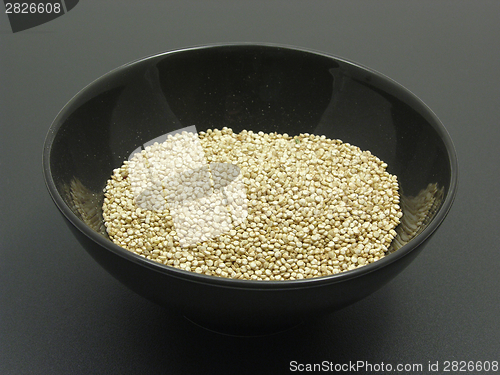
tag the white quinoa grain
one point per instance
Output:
(253, 205)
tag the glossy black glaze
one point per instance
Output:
(258, 87)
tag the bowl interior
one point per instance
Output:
(268, 88)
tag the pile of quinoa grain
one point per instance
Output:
(313, 206)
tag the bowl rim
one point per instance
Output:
(253, 284)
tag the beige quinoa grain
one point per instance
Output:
(313, 207)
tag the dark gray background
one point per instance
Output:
(60, 313)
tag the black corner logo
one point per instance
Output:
(27, 14)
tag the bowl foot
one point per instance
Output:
(246, 330)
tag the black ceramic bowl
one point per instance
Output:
(258, 87)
